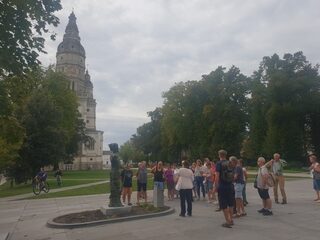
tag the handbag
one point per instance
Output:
(255, 183)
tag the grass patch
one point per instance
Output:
(69, 178)
(92, 190)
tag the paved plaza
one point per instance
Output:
(299, 219)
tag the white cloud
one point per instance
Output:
(138, 49)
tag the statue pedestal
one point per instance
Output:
(158, 197)
(108, 211)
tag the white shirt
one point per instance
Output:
(186, 178)
(262, 172)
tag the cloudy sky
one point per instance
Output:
(137, 49)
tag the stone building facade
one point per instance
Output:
(70, 59)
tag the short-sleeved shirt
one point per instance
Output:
(222, 183)
(158, 175)
(277, 168)
(208, 174)
(126, 178)
(168, 174)
(42, 175)
(240, 179)
(142, 175)
(261, 172)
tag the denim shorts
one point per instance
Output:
(238, 188)
(316, 184)
(159, 185)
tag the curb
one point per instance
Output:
(53, 224)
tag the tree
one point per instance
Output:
(22, 25)
(46, 111)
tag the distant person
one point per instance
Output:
(58, 176)
(238, 187)
(263, 188)
(158, 176)
(185, 183)
(245, 178)
(198, 175)
(277, 165)
(126, 179)
(193, 167)
(208, 180)
(142, 179)
(169, 178)
(41, 176)
(224, 183)
(315, 171)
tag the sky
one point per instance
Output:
(138, 49)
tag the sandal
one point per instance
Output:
(243, 214)
(226, 225)
(237, 215)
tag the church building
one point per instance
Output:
(71, 60)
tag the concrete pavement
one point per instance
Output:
(299, 219)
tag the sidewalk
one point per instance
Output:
(299, 219)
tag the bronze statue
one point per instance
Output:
(115, 177)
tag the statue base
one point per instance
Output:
(108, 211)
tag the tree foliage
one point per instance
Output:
(44, 123)
(277, 109)
(22, 25)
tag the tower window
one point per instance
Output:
(87, 121)
(61, 58)
(88, 109)
(72, 46)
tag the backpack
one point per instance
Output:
(226, 172)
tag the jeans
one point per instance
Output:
(185, 196)
(159, 185)
(199, 181)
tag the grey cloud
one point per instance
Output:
(138, 49)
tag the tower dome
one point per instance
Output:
(71, 39)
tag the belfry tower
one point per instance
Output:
(71, 59)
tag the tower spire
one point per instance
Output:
(72, 28)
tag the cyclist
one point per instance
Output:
(41, 177)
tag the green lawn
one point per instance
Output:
(69, 178)
(97, 189)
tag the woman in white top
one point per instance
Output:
(185, 185)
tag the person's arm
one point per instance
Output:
(269, 164)
(316, 168)
(245, 173)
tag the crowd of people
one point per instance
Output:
(222, 183)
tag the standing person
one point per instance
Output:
(158, 175)
(185, 183)
(245, 177)
(169, 178)
(209, 182)
(238, 187)
(223, 181)
(193, 167)
(126, 179)
(198, 174)
(263, 188)
(277, 165)
(58, 175)
(315, 171)
(142, 179)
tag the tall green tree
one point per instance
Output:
(22, 25)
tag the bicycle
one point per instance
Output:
(38, 186)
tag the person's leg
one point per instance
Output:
(124, 189)
(281, 185)
(275, 189)
(138, 192)
(129, 195)
(202, 188)
(244, 194)
(189, 201)
(198, 186)
(227, 215)
(182, 194)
